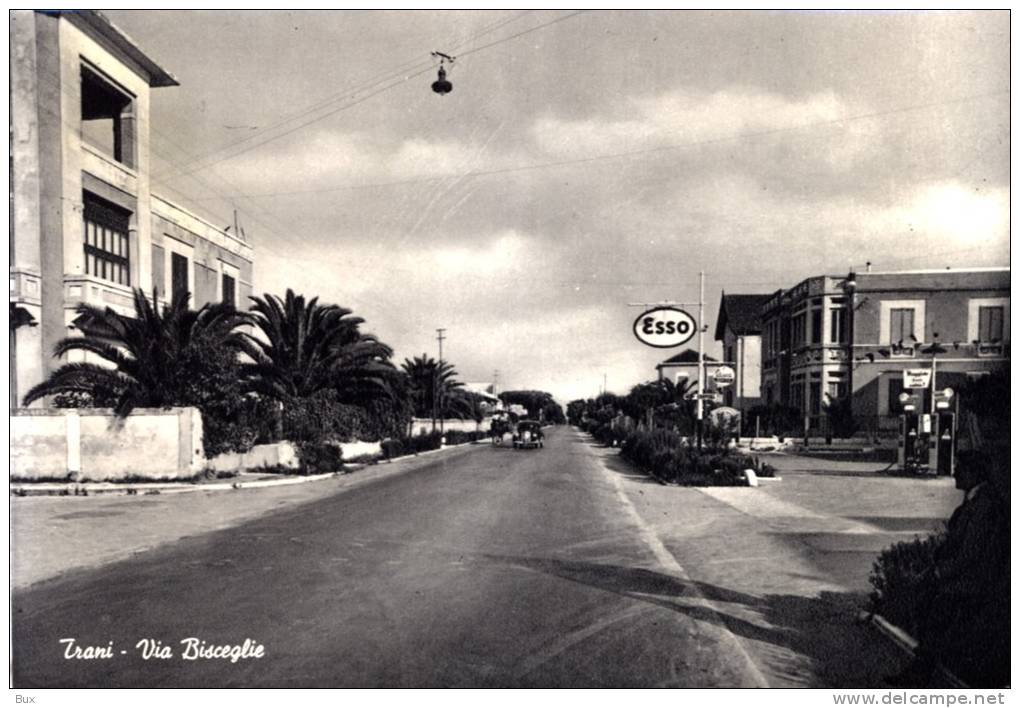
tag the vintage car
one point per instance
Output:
(529, 434)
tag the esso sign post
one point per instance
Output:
(665, 327)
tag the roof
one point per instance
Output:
(742, 313)
(687, 356)
(114, 39)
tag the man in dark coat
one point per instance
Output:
(965, 618)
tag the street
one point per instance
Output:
(487, 567)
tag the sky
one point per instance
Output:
(584, 162)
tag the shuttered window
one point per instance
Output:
(178, 276)
(107, 249)
(990, 324)
(229, 290)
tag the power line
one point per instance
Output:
(636, 153)
(206, 164)
(375, 80)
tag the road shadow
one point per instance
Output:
(617, 464)
(808, 641)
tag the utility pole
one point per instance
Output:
(438, 394)
(605, 389)
(701, 356)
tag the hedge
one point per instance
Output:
(667, 456)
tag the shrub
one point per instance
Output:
(392, 448)
(457, 437)
(235, 423)
(319, 457)
(667, 456)
(321, 417)
(902, 577)
(424, 443)
(410, 445)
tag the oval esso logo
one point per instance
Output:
(664, 327)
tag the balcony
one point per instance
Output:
(25, 287)
(878, 353)
(89, 289)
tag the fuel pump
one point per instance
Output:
(914, 450)
(945, 441)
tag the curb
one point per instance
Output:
(84, 489)
(906, 643)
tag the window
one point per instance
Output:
(178, 276)
(895, 389)
(901, 325)
(837, 390)
(816, 326)
(816, 397)
(990, 321)
(229, 290)
(797, 395)
(837, 326)
(797, 334)
(107, 250)
(107, 118)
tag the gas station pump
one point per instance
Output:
(945, 428)
(927, 442)
(915, 437)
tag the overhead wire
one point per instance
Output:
(276, 228)
(395, 79)
(644, 151)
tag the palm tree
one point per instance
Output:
(157, 358)
(432, 385)
(304, 347)
(677, 396)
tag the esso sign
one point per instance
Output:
(664, 327)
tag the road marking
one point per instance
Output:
(762, 505)
(574, 638)
(669, 562)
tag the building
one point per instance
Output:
(830, 336)
(684, 367)
(485, 390)
(85, 225)
(738, 327)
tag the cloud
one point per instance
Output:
(686, 117)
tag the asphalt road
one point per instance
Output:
(487, 567)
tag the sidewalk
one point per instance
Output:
(243, 480)
(787, 564)
(51, 535)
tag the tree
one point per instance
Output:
(677, 409)
(159, 358)
(307, 347)
(304, 347)
(577, 410)
(538, 403)
(643, 399)
(433, 386)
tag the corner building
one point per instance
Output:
(85, 225)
